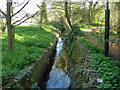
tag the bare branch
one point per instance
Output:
(54, 14)
(20, 9)
(3, 13)
(26, 19)
(19, 4)
(19, 20)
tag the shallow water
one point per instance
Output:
(58, 78)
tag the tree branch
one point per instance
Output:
(19, 4)
(20, 9)
(26, 19)
(54, 14)
(19, 20)
(3, 13)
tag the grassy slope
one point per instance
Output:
(30, 41)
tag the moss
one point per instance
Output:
(62, 62)
(76, 52)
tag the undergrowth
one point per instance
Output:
(71, 37)
(107, 69)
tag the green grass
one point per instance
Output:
(85, 26)
(30, 41)
(107, 69)
(89, 26)
(111, 32)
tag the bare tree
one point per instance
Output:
(66, 12)
(10, 26)
(43, 13)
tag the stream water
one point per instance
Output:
(57, 77)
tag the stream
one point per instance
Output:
(57, 77)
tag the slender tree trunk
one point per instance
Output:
(67, 15)
(83, 16)
(9, 27)
(90, 12)
(41, 20)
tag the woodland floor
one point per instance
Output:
(114, 47)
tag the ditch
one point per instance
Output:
(56, 76)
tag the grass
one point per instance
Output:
(30, 41)
(89, 26)
(108, 70)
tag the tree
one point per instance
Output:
(10, 27)
(66, 13)
(43, 13)
(58, 11)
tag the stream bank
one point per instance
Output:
(50, 71)
(80, 68)
(32, 76)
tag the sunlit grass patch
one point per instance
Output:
(30, 42)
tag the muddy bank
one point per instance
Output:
(34, 74)
(80, 69)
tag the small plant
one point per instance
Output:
(107, 69)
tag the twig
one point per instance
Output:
(19, 4)
(20, 9)
(26, 19)
(3, 13)
(20, 19)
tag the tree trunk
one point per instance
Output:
(90, 12)
(83, 16)
(70, 9)
(41, 20)
(9, 27)
(67, 15)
